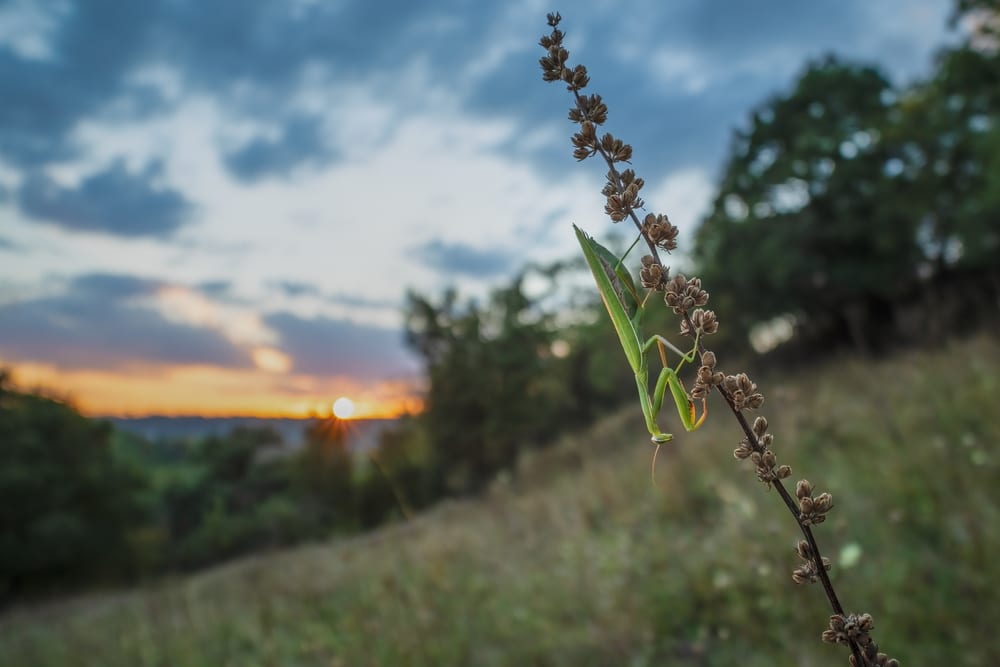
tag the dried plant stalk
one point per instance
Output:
(685, 297)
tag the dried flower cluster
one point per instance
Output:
(812, 510)
(856, 628)
(807, 571)
(686, 298)
(758, 447)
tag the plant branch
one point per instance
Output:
(682, 295)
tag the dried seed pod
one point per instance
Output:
(853, 627)
(823, 503)
(590, 108)
(743, 392)
(699, 392)
(743, 450)
(682, 294)
(652, 275)
(659, 230)
(703, 321)
(579, 79)
(812, 510)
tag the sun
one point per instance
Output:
(343, 408)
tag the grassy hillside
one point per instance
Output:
(579, 560)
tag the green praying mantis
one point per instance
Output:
(622, 302)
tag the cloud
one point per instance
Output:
(215, 288)
(463, 259)
(101, 321)
(359, 301)
(113, 201)
(65, 67)
(326, 346)
(300, 142)
(294, 288)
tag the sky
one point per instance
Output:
(218, 207)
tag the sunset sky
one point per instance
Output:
(217, 207)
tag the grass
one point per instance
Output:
(578, 560)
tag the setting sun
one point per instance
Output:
(343, 408)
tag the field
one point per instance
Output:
(577, 559)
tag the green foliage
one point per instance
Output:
(230, 495)
(846, 197)
(66, 504)
(495, 386)
(949, 142)
(325, 477)
(805, 220)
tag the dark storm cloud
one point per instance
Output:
(96, 324)
(462, 259)
(114, 201)
(325, 346)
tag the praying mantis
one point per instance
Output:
(622, 302)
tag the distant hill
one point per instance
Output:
(363, 432)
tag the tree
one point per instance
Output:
(847, 203)
(491, 388)
(804, 221)
(66, 503)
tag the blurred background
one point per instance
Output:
(299, 365)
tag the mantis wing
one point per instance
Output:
(610, 276)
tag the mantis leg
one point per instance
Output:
(668, 378)
(685, 407)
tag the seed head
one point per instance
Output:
(659, 230)
(743, 392)
(743, 450)
(653, 275)
(615, 149)
(807, 572)
(812, 510)
(682, 295)
(852, 627)
(576, 78)
(703, 320)
(590, 108)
